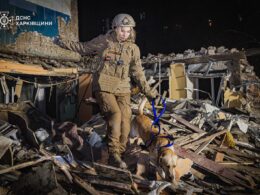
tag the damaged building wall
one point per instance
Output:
(221, 75)
(32, 26)
(28, 53)
(210, 64)
(19, 12)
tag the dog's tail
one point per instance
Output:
(141, 106)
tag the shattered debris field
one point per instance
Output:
(212, 130)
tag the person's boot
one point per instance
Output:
(115, 160)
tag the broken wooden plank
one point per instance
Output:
(189, 138)
(219, 157)
(7, 66)
(198, 186)
(114, 173)
(213, 167)
(241, 167)
(230, 164)
(85, 185)
(192, 144)
(109, 184)
(234, 152)
(186, 123)
(247, 146)
(64, 168)
(204, 145)
(197, 174)
(23, 165)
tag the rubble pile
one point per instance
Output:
(223, 146)
(229, 64)
(252, 89)
(49, 55)
(189, 53)
(39, 156)
(86, 64)
(217, 145)
(25, 45)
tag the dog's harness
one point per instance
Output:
(157, 124)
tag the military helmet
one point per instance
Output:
(123, 20)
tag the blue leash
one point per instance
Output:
(157, 124)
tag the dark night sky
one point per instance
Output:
(174, 26)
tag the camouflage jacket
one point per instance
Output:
(118, 62)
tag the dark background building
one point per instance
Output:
(174, 26)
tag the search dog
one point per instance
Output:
(161, 152)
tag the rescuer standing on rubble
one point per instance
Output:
(119, 60)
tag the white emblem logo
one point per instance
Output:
(4, 19)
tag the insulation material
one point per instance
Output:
(232, 99)
(177, 81)
(190, 87)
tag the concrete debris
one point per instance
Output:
(67, 169)
(211, 50)
(215, 140)
(41, 134)
(25, 45)
(84, 64)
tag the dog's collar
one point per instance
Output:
(170, 141)
(169, 144)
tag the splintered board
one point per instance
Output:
(7, 66)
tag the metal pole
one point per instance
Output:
(212, 90)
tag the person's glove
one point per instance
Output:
(152, 94)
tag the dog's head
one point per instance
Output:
(167, 162)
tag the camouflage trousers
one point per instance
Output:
(117, 112)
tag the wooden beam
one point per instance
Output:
(7, 66)
(85, 185)
(23, 165)
(213, 167)
(187, 124)
(205, 139)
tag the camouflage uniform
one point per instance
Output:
(118, 62)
